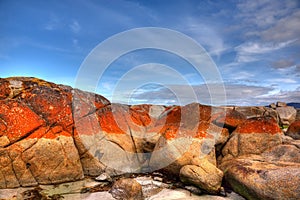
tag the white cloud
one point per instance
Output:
(285, 28)
(75, 27)
(252, 51)
(275, 20)
(282, 80)
(205, 34)
(242, 75)
(260, 48)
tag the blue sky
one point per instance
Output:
(255, 45)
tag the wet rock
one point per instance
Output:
(127, 189)
(150, 186)
(181, 194)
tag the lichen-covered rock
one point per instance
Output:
(52, 133)
(254, 136)
(180, 144)
(231, 119)
(36, 138)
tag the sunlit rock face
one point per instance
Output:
(36, 138)
(53, 134)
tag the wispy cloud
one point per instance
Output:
(285, 28)
(75, 27)
(282, 80)
(251, 51)
(260, 48)
(204, 34)
(53, 23)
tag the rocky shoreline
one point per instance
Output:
(55, 135)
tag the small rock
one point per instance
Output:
(281, 104)
(272, 105)
(223, 192)
(127, 189)
(104, 177)
(193, 189)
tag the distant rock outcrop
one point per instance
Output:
(53, 133)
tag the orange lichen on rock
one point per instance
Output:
(230, 118)
(140, 115)
(20, 120)
(56, 132)
(205, 112)
(170, 131)
(111, 120)
(259, 125)
(53, 104)
(4, 89)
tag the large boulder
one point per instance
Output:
(257, 111)
(203, 174)
(184, 138)
(273, 175)
(257, 165)
(294, 130)
(186, 148)
(231, 119)
(287, 115)
(37, 146)
(281, 104)
(254, 136)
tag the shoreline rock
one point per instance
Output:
(52, 134)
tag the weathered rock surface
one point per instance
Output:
(127, 189)
(231, 119)
(255, 178)
(202, 174)
(259, 166)
(254, 136)
(294, 130)
(287, 114)
(36, 146)
(52, 134)
(81, 130)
